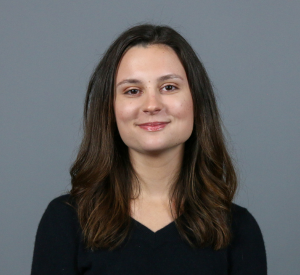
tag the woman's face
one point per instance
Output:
(153, 103)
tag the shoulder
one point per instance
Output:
(62, 203)
(63, 199)
(243, 221)
(241, 214)
(247, 250)
(60, 214)
(65, 205)
(58, 238)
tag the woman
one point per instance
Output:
(153, 183)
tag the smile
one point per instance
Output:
(153, 126)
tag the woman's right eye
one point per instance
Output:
(132, 92)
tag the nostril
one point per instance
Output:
(152, 110)
(152, 104)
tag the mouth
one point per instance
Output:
(153, 126)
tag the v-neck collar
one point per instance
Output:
(147, 228)
(168, 233)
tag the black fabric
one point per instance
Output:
(59, 249)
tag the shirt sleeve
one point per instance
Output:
(247, 253)
(56, 244)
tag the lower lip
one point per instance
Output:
(153, 128)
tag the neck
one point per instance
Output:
(156, 172)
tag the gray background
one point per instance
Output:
(48, 50)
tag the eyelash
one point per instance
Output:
(173, 87)
(128, 92)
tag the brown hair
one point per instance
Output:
(102, 174)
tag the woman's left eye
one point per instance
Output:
(170, 87)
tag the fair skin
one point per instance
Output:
(154, 114)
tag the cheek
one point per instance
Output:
(185, 110)
(121, 119)
(123, 112)
(120, 116)
(126, 114)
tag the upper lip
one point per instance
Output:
(155, 123)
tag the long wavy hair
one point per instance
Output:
(102, 175)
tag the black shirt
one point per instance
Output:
(59, 249)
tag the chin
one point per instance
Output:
(156, 149)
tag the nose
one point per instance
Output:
(153, 103)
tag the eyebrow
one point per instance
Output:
(136, 81)
(169, 76)
(129, 81)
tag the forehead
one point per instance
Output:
(151, 59)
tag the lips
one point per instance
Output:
(153, 126)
